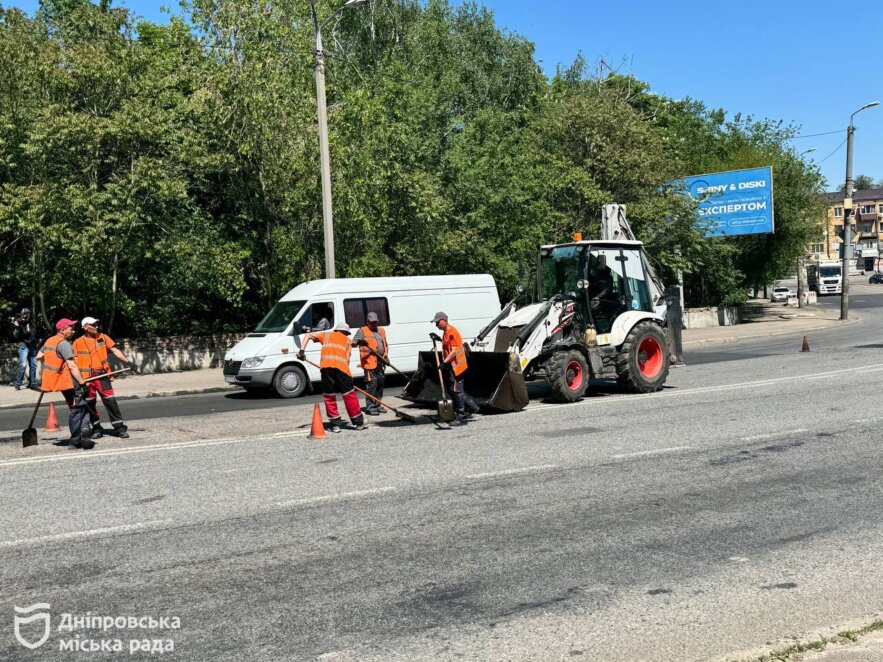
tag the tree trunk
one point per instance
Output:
(113, 292)
(801, 280)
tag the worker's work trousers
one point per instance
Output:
(374, 385)
(104, 389)
(335, 381)
(78, 420)
(462, 400)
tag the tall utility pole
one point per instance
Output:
(847, 213)
(324, 152)
(801, 264)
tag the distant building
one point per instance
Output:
(867, 229)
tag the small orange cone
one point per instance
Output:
(52, 421)
(317, 430)
(805, 347)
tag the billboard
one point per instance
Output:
(735, 202)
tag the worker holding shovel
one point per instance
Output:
(373, 353)
(336, 374)
(454, 365)
(60, 373)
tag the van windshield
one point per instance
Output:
(278, 319)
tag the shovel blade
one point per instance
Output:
(29, 437)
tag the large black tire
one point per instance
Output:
(643, 360)
(290, 381)
(568, 375)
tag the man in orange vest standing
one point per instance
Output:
(60, 373)
(336, 374)
(372, 337)
(454, 366)
(91, 350)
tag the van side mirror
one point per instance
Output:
(297, 328)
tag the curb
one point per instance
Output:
(150, 394)
(734, 339)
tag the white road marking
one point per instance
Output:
(335, 497)
(80, 455)
(773, 435)
(74, 535)
(513, 472)
(673, 393)
(651, 452)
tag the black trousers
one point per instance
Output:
(78, 419)
(456, 385)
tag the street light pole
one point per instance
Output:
(801, 270)
(847, 213)
(324, 151)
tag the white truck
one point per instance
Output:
(825, 277)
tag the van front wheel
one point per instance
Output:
(290, 381)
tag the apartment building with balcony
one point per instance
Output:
(866, 224)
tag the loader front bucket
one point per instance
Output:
(494, 379)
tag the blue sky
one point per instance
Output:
(811, 62)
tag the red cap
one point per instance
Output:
(63, 322)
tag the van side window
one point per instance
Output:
(318, 317)
(356, 310)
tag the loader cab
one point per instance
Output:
(604, 278)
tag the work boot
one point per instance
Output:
(122, 433)
(97, 432)
(381, 410)
(360, 426)
(371, 411)
(334, 425)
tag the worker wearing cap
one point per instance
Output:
(61, 374)
(336, 374)
(455, 365)
(91, 351)
(373, 353)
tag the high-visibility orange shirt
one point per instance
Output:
(367, 360)
(452, 341)
(336, 350)
(91, 354)
(56, 373)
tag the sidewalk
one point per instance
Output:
(764, 320)
(134, 386)
(863, 644)
(867, 649)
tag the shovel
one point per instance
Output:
(29, 434)
(385, 361)
(404, 416)
(445, 407)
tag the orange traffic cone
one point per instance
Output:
(317, 430)
(52, 421)
(805, 347)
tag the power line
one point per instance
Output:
(836, 149)
(813, 135)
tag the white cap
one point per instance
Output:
(343, 327)
(88, 320)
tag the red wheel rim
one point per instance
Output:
(573, 375)
(650, 357)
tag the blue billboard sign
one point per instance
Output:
(734, 203)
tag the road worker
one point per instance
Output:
(61, 374)
(454, 366)
(371, 341)
(336, 374)
(91, 351)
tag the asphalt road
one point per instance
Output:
(738, 508)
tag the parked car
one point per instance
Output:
(876, 277)
(781, 294)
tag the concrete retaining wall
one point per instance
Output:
(150, 355)
(703, 318)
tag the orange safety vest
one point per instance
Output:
(56, 374)
(91, 355)
(336, 348)
(368, 360)
(453, 341)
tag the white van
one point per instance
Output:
(405, 306)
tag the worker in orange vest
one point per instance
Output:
(370, 337)
(91, 350)
(454, 366)
(61, 374)
(336, 374)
